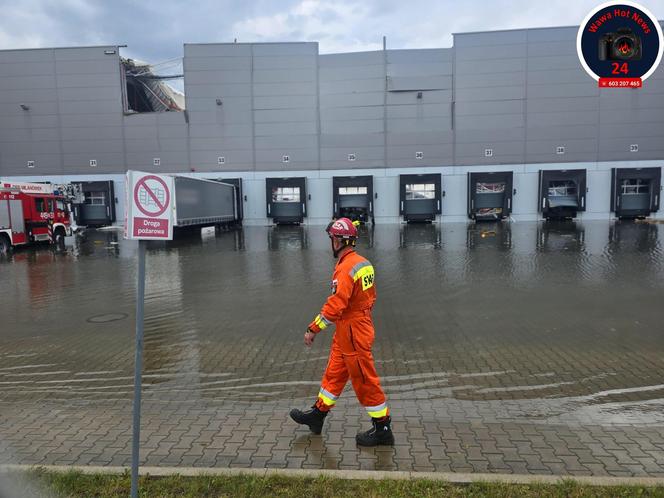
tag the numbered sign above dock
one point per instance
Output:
(150, 206)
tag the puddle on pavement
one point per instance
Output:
(539, 320)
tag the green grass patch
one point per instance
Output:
(78, 485)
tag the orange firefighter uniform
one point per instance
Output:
(349, 307)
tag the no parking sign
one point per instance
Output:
(149, 206)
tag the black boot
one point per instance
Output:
(314, 418)
(380, 434)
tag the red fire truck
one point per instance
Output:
(33, 212)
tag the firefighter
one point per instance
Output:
(349, 308)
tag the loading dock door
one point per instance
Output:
(99, 206)
(419, 196)
(239, 197)
(562, 193)
(635, 192)
(353, 197)
(286, 199)
(489, 195)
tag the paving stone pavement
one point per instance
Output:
(498, 358)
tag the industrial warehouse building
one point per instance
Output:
(502, 124)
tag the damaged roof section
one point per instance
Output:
(148, 91)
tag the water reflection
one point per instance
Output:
(536, 318)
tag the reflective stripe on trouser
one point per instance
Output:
(358, 366)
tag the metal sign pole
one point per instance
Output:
(138, 367)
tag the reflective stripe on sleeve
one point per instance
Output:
(358, 270)
(322, 322)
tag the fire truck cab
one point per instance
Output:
(32, 213)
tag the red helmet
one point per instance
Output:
(342, 228)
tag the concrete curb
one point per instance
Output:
(452, 477)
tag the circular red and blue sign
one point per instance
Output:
(620, 40)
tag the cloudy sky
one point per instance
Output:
(154, 30)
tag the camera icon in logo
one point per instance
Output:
(623, 45)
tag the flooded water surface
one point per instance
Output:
(553, 323)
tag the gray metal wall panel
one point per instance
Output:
(488, 108)
(85, 53)
(563, 104)
(489, 81)
(290, 49)
(491, 121)
(90, 106)
(79, 163)
(29, 134)
(352, 99)
(353, 140)
(193, 64)
(500, 66)
(562, 90)
(286, 142)
(355, 86)
(35, 56)
(213, 91)
(295, 155)
(495, 93)
(90, 120)
(415, 111)
(489, 136)
(13, 110)
(16, 164)
(272, 76)
(269, 89)
(92, 133)
(341, 73)
(279, 129)
(285, 115)
(284, 62)
(428, 97)
(490, 39)
(285, 102)
(209, 104)
(562, 118)
(102, 82)
(358, 126)
(420, 138)
(351, 113)
(217, 50)
(478, 53)
(341, 153)
(421, 56)
(221, 144)
(133, 144)
(548, 147)
(351, 59)
(36, 147)
(567, 47)
(400, 83)
(561, 132)
(31, 96)
(28, 122)
(419, 124)
(26, 82)
(223, 77)
(557, 77)
(556, 63)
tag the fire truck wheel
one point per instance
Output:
(59, 237)
(5, 246)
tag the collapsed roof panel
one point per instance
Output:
(147, 91)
